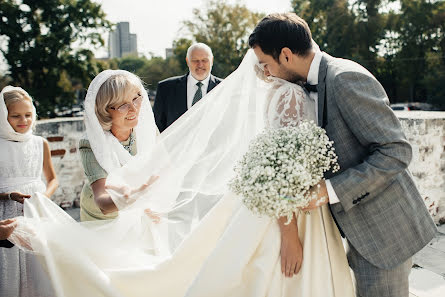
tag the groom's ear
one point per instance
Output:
(287, 55)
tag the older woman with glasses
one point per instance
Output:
(116, 107)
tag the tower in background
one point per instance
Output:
(121, 42)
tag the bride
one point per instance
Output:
(206, 242)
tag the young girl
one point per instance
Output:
(23, 157)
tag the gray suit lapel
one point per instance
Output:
(321, 87)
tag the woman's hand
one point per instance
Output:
(127, 192)
(156, 218)
(6, 228)
(19, 197)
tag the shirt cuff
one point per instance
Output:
(331, 193)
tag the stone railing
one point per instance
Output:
(425, 131)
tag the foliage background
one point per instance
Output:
(49, 44)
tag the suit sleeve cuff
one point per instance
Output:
(331, 193)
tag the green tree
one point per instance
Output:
(226, 29)
(151, 71)
(180, 48)
(44, 49)
(404, 48)
(131, 63)
(349, 29)
(4, 81)
(157, 69)
(420, 28)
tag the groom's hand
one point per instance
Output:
(321, 196)
(291, 251)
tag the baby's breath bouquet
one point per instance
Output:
(280, 166)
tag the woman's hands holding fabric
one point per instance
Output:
(6, 228)
(19, 197)
(128, 192)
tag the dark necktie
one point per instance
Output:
(310, 88)
(198, 94)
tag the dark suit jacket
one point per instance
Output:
(6, 244)
(171, 99)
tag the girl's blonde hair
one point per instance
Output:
(112, 93)
(15, 96)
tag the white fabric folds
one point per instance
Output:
(207, 243)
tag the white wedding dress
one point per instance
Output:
(21, 163)
(207, 243)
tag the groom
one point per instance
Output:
(373, 197)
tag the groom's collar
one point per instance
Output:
(312, 76)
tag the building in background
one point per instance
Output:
(168, 52)
(121, 42)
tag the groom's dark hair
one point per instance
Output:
(279, 30)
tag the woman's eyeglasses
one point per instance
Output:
(124, 108)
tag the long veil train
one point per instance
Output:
(194, 159)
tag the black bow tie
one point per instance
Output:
(310, 88)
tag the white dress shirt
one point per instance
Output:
(312, 79)
(192, 88)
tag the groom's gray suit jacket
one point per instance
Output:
(381, 211)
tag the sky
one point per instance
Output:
(157, 22)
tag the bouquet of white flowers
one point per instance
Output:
(281, 165)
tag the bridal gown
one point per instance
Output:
(230, 252)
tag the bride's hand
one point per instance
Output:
(291, 251)
(320, 196)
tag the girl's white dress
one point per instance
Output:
(20, 170)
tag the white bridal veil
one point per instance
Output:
(194, 159)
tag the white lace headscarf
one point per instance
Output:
(6, 130)
(107, 149)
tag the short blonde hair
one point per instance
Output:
(112, 93)
(15, 96)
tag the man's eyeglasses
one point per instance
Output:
(124, 108)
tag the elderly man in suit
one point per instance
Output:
(373, 197)
(175, 95)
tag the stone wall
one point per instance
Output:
(63, 135)
(425, 131)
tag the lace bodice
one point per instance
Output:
(21, 165)
(287, 103)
